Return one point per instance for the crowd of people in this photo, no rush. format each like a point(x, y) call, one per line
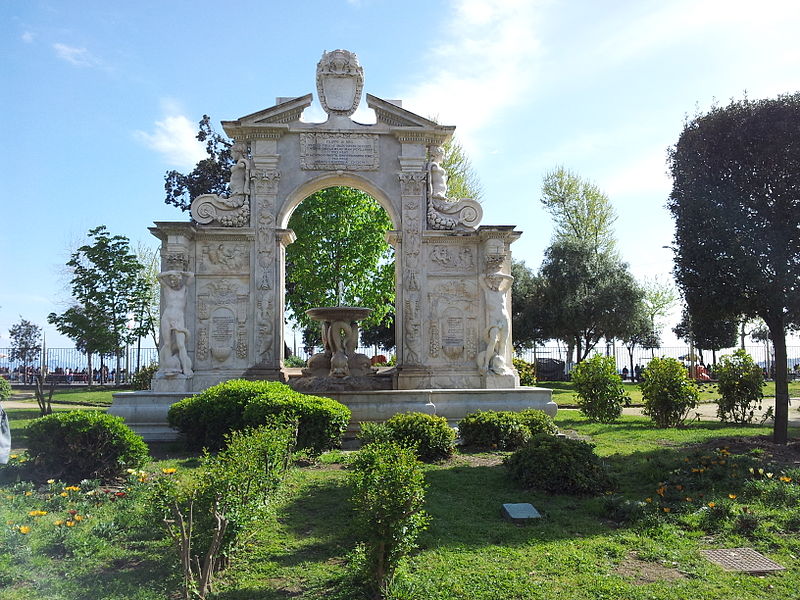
point(28, 375)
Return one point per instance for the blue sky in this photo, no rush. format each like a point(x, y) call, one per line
point(99, 99)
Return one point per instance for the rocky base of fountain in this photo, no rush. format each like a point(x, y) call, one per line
point(322, 385)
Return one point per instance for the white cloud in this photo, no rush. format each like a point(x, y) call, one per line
point(79, 57)
point(174, 137)
point(486, 60)
point(646, 175)
point(27, 37)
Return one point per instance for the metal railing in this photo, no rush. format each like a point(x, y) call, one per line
point(63, 360)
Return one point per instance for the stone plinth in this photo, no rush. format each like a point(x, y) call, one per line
point(146, 413)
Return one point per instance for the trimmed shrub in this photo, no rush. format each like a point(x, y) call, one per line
point(374, 433)
point(741, 383)
point(205, 419)
point(430, 436)
point(560, 466)
point(599, 387)
point(320, 421)
point(667, 391)
point(538, 421)
point(502, 430)
point(388, 494)
point(82, 444)
point(293, 361)
point(143, 378)
point(5, 389)
point(211, 514)
point(526, 370)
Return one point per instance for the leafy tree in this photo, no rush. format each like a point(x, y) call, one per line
point(640, 332)
point(601, 394)
point(580, 209)
point(585, 295)
point(462, 180)
point(382, 334)
point(340, 237)
point(108, 288)
point(740, 386)
point(526, 320)
point(659, 298)
point(210, 175)
point(736, 172)
point(707, 332)
point(26, 342)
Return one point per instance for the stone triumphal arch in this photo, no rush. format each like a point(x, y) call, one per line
point(453, 274)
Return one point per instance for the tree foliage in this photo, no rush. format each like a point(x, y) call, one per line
point(710, 333)
point(584, 295)
point(640, 333)
point(210, 175)
point(526, 320)
point(736, 175)
point(108, 288)
point(580, 209)
point(462, 180)
point(26, 341)
point(340, 237)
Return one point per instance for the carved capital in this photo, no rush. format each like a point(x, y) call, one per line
point(412, 183)
point(458, 215)
point(267, 181)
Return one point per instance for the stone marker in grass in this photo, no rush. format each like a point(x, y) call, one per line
point(520, 513)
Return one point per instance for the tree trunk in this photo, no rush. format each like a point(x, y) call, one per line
point(117, 369)
point(780, 433)
point(89, 377)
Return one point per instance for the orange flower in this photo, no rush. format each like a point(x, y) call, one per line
point(785, 479)
point(648, 499)
point(660, 491)
point(732, 496)
point(667, 509)
point(712, 504)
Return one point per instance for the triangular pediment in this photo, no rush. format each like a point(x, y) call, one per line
point(395, 116)
point(285, 112)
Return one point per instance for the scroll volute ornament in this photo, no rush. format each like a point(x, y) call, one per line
point(340, 79)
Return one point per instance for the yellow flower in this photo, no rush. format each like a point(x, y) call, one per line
point(29, 493)
point(9, 522)
point(648, 499)
point(688, 499)
point(769, 475)
point(51, 481)
point(70, 523)
point(169, 471)
point(59, 522)
point(73, 488)
point(667, 509)
point(24, 529)
point(732, 496)
point(785, 479)
point(130, 471)
point(78, 518)
point(13, 456)
point(37, 513)
point(64, 494)
point(712, 504)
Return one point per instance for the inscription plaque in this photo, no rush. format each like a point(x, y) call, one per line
point(334, 151)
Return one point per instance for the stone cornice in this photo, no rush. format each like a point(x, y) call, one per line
point(163, 229)
point(225, 233)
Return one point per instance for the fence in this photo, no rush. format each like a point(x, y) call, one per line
point(62, 359)
point(761, 354)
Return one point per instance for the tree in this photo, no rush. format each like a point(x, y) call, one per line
point(736, 175)
point(462, 180)
point(585, 295)
point(109, 289)
point(210, 175)
point(340, 238)
point(580, 209)
point(640, 332)
point(25, 343)
point(659, 298)
point(707, 332)
point(526, 317)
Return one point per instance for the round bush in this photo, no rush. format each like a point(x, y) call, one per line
point(503, 430)
point(320, 421)
point(599, 387)
point(143, 378)
point(430, 436)
point(526, 370)
point(5, 389)
point(741, 383)
point(205, 419)
point(538, 421)
point(82, 444)
point(560, 466)
point(667, 391)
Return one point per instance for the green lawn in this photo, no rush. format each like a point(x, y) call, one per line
point(564, 391)
point(576, 551)
point(79, 396)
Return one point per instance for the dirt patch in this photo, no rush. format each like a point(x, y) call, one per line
point(478, 460)
point(642, 571)
point(782, 454)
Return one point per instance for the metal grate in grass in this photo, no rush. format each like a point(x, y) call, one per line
point(742, 559)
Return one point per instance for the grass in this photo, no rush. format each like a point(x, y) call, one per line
point(575, 552)
point(78, 396)
point(564, 391)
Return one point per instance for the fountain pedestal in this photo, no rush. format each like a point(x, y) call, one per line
point(339, 358)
